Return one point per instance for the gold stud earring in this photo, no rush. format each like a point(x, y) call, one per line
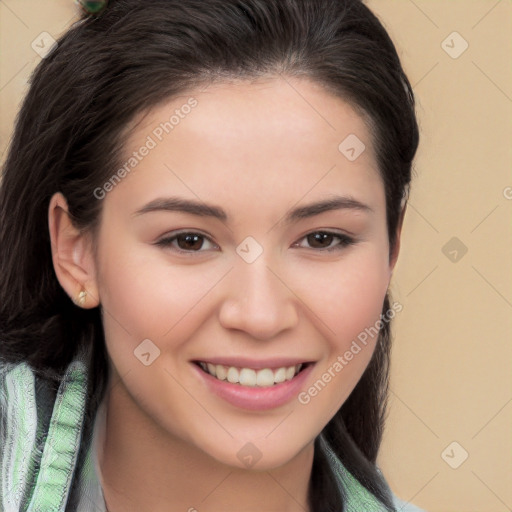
point(82, 297)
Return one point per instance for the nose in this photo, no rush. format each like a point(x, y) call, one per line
point(258, 301)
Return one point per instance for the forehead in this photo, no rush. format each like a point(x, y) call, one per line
point(286, 107)
point(267, 137)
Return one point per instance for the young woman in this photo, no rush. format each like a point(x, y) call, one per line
point(201, 211)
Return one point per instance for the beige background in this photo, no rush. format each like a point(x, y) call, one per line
point(451, 374)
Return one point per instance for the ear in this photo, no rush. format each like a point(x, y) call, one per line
point(72, 255)
point(396, 248)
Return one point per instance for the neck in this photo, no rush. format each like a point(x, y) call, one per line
point(144, 467)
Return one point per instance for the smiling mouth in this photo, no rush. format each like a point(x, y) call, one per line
point(249, 377)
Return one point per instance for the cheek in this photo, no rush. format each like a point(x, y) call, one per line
point(349, 305)
point(348, 295)
point(361, 296)
point(145, 296)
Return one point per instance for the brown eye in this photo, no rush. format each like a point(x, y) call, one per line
point(189, 242)
point(323, 240)
point(186, 242)
point(320, 240)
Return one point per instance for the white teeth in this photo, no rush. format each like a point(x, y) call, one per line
point(290, 372)
point(280, 375)
point(233, 375)
point(249, 377)
point(220, 372)
point(265, 377)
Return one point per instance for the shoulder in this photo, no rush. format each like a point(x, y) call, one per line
point(17, 389)
point(358, 497)
point(405, 506)
point(18, 430)
point(40, 433)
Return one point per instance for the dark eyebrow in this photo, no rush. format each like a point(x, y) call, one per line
point(178, 204)
point(202, 209)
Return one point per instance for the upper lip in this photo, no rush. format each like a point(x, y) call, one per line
point(257, 364)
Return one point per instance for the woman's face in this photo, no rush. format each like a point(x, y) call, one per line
point(218, 248)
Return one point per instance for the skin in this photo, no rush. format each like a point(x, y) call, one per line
point(257, 150)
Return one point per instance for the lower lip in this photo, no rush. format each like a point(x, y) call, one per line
point(256, 398)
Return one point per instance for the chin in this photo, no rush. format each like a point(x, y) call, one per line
point(258, 455)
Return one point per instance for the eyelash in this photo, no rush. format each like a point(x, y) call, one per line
point(345, 241)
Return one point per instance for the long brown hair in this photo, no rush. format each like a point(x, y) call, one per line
point(69, 136)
